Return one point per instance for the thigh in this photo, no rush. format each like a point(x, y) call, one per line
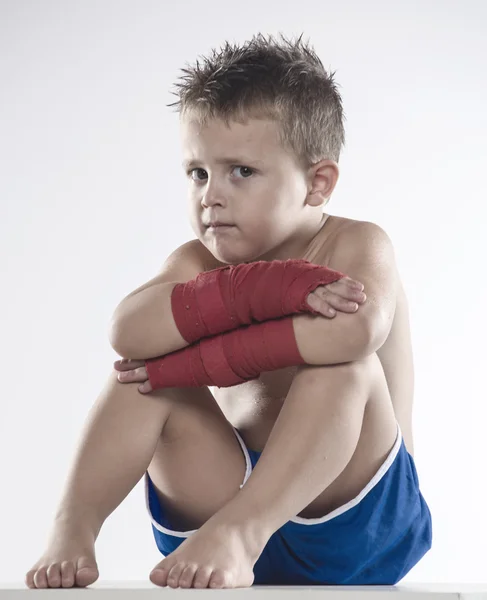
point(198, 464)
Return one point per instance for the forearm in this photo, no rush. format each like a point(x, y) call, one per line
point(323, 341)
point(167, 317)
point(143, 326)
point(243, 354)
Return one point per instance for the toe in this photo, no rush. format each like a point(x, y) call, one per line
point(86, 576)
point(160, 572)
point(187, 575)
point(53, 574)
point(174, 574)
point(29, 579)
point(86, 572)
point(202, 577)
point(67, 574)
point(159, 576)
point(40, 579)
point(218, 579)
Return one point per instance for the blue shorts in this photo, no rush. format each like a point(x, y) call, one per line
point(375, 539)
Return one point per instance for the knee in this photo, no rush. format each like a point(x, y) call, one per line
point(188, 400)
point(363, 370)
point(365, 367)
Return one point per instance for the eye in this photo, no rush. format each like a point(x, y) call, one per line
point(198, 171)
point(245, 171)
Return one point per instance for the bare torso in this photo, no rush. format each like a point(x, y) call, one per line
point(254, 406)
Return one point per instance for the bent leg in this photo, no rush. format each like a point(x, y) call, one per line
point(311, 444)
point(117, 444)
point(198, 465)
point(376, 435)
point(314, 438)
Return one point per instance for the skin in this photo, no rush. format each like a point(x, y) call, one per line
point(276, 206)
point(274, 202)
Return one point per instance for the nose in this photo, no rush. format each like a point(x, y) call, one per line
point(213, 196)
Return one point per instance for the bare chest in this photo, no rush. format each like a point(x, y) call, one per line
point(253, 407)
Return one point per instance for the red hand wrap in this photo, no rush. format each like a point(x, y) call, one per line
point(235, 295)
point(228, 359)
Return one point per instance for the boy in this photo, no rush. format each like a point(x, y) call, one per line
point(299, 468)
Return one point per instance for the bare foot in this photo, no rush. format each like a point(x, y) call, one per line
point(216, 557)
point(69, 560)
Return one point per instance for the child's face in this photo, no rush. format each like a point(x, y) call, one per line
point(242, 175)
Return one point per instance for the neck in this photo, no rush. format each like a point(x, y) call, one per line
point(300, 244)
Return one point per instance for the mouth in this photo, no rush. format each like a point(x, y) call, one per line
point(221, 228)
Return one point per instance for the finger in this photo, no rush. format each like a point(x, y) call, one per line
point(350, 293)
point(353, 283)
point(341, 304)
point(139, 374)
point(317, 303)
point(145, 388)
point(342, 290)
point(128, 366)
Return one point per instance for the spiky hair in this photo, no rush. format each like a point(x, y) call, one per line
point(265, 78)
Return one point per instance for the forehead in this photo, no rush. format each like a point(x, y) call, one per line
point(254, 137)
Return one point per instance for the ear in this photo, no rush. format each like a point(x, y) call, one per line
point(322, 178)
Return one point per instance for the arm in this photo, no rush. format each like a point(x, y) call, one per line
point(152, 331)
point(365, 253)
point(218, 301)
point(148, 329)
point(142, 325)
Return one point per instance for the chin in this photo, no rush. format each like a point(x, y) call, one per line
point(229, 256)
point(230, 252)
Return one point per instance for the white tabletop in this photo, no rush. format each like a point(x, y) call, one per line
point(145, 590)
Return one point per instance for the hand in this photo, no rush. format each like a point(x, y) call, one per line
point(131, 371)
point(345, 295)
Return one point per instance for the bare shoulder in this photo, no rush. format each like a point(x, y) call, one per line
point(343, 237)
point(351, 238)
point(364, 251)
point(189, 259)
point(183, 264)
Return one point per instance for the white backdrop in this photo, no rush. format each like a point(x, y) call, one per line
point(93, 199)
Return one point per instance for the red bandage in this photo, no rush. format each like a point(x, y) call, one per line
point(228, 359)
point(236, 295)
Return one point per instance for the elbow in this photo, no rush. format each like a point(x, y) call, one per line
point(362, 342)
point(375, 332)
point(118, 339)
point(140, 338)
point(322, 341)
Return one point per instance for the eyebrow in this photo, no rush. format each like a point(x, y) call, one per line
point(224, 161)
